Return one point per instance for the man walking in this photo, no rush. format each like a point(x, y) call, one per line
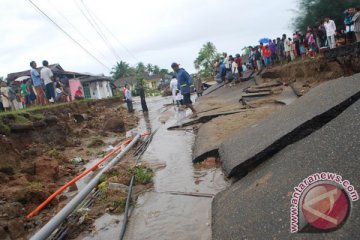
point(128, 98)
point(330, 28)
point(35, 76)
point(173, 88)
point(184, 83)
point(356, 20)
point(47, 76)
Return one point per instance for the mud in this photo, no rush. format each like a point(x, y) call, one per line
point(35, 161)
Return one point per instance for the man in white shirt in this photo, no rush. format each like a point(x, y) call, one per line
point(47, 75)
point(330, 28)
point(173, 88)
point(235, 71)
point(287, 47)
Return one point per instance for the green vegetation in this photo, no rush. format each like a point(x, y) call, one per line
point(119, 205)
point(204, 62)
point(19, 118)
point(123, 69)
point(312, 12)
point(103, 178)
point(4, 129)
point(142, 174)
point(36, 184)
point(54, 153)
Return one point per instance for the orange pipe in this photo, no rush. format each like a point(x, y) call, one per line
point(66, 185)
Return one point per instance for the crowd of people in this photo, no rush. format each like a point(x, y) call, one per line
point(40, 89)
point(285, 49)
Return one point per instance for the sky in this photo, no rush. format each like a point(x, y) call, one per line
point(158, 31)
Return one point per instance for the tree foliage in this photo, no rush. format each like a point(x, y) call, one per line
point(123, 69)
point(204, 61)
point(312, 12)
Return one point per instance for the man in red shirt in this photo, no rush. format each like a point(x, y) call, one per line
point(238, 61)
point(267, 55)
point(79, 94)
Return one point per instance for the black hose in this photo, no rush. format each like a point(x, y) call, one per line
point(126, 214)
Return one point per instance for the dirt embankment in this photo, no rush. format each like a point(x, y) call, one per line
point(41, 149)
point(303, 75)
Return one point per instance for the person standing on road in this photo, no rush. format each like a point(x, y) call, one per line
point(47, 76)
point(330, 28)
point(173, 88)
point(184, 84)
point(128, 98)
point(198, 86)
point(36, 80)
point(142, 97)
point(356, 20)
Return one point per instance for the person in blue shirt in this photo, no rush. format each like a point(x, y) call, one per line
point(184, 84)
point(38, 84)
point(129, 99)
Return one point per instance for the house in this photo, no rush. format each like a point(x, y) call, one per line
point(121, 82)
point(94, 87)
point(57, 70)
point(151, 81)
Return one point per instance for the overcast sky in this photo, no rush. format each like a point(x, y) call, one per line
point(157, 31)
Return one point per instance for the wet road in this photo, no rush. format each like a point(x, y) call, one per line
point(160, 214)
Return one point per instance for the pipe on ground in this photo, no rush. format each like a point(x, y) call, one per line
point(49, 227)
point(126, 214)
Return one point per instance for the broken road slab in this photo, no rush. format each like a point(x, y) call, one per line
point(251, 146)
point(258, 205)
point(213, 88)
point(204, 118)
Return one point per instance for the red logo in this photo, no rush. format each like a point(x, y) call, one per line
point(325, 206)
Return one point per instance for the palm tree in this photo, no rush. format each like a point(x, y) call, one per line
point(140, 69)
point(149, 69)
point(156, 69)
point(120, 70)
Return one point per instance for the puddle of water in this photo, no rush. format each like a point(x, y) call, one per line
point(106, 227)
point(158, 214)
point(164, 216)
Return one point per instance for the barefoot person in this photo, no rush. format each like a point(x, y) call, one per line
point(184, 83)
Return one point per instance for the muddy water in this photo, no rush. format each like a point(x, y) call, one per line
point(179, 206)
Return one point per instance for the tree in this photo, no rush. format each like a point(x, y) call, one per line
point(140, 69)
point(149, 69)
point(163, 72)
point(312, 12)
point(120, 70)
point(156, 69)
point(204, 62)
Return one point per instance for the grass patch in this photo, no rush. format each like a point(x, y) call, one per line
point(119, 205)
point(142, 174)
point(4, 129)
point(103, 178)
point(37, 116)
point(54, 153)
point(21, 119)
point(36, 184)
